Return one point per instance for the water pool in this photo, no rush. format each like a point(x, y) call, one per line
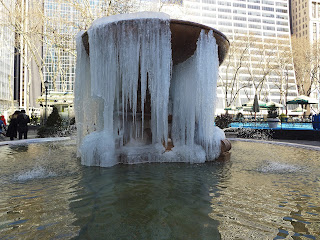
point(264, 125)
point(265, 192)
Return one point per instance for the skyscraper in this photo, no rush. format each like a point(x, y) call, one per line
point(305, 22)
point(260, 59)
point(6, 59)
point(63, 20)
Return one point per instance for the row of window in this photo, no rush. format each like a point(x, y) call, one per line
point(255, 26)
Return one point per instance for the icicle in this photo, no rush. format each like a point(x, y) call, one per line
point(193, 92)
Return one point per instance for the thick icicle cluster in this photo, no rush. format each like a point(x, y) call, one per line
point(193, 91)
point(130, 61)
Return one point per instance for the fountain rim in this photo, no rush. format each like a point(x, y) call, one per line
point(199, 25)
point(222, 41)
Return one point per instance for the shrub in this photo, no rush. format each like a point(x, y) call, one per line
point(239, 117)
point(52, 126)
point(223, 120)
point(283, 117)
point(73, 121)
point(54, 119)
point(45, 131)
point(272, 112)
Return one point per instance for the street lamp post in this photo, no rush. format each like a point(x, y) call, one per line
point(46, 84)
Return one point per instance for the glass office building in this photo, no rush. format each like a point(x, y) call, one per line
point(6, 60)
point(64, 19)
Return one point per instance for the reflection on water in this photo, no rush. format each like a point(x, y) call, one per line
point(264, 192)
point(273, 193)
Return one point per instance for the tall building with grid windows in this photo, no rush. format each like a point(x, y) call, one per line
point(260, 30)
point(59, 45)
point(6, 60)
point(64, 19)
point(305, 15)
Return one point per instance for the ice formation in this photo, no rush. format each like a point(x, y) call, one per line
point(126, 89)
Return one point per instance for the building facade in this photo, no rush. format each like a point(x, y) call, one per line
point(305, 22)
point(260, 58)
point(63, 20)
point(6, 59)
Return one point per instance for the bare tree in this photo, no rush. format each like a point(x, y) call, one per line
point(233, 66)
point(282, 69)
point(260, 66)
point(306, 64)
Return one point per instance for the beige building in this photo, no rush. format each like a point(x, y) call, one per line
point(305, 23)
point(261, 30)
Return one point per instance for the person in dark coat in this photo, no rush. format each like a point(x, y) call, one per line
point(13, 126)
point(23, 120)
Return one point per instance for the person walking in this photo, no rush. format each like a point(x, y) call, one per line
point(23, 120)
point(13, 126)
point(2, 127)
point(3, 119)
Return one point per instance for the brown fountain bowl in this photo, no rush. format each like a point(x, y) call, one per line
point(184, 37)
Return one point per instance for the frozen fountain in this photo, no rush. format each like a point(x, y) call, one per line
point(145, 91)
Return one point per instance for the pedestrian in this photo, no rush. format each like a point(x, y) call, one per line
point(3, 119)
point(2, 128)
point(23, 120)
point(13, 125)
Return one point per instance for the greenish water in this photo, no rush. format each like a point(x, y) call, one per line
point(263, 192)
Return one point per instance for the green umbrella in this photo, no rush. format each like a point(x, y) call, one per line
point(232, 108)
point(255, 106)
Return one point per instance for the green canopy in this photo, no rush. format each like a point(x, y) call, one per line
point(302, 100)
point(262, 104)
point(274, 104)
point(232, 108)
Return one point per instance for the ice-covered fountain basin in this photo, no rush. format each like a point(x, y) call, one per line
point(184, 37)
point(134, 95)
point(265, 192)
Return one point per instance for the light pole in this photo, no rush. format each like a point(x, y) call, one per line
point(46, 84)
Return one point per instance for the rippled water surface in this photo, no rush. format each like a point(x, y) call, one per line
point(263, 192)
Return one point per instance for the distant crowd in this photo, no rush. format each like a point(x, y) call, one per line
point(18, 125)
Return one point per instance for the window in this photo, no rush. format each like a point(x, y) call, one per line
point(254, 7)
point(282, 10)
point(240, 18)
point(314, 13)
point(254, 20)
point(239, 5)
point(224, 3)
point(267, 21)
point(224, 10)
point(268, 9)
point(269, 28)
point(243, 25)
